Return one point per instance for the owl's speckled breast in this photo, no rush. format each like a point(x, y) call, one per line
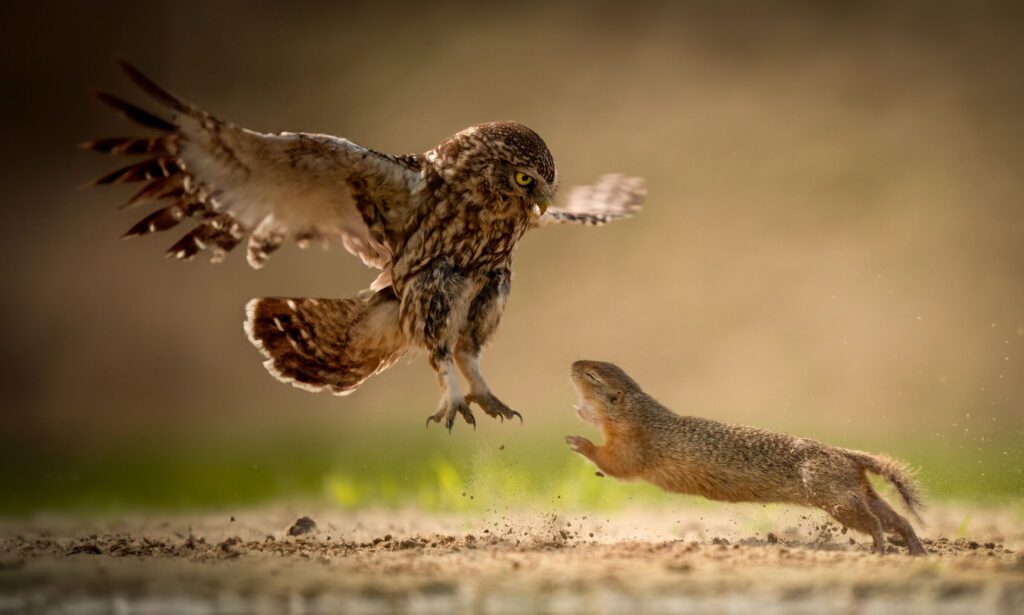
point(462, 223)
point(476, 241)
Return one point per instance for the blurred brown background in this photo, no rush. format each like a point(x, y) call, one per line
point(833, 242)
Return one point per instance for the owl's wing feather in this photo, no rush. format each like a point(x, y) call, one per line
point(269, 187)
point(612, 197)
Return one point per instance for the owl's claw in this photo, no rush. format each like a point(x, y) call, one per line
point(493, 406)
point(469, 419)
point(447, 411)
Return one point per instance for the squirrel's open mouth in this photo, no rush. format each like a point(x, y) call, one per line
point(584, 413)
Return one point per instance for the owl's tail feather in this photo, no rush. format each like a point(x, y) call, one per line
point(326, 344)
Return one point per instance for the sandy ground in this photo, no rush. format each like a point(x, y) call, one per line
point(708, 559)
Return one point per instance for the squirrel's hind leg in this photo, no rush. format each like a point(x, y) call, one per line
point(894, 523)
point(855, 514)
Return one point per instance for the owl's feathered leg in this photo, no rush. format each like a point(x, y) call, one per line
point(481, 322)
point(432, 314)
point(452, 400)
point(480, 394)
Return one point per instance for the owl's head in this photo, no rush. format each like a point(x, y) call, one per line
point(500, 161)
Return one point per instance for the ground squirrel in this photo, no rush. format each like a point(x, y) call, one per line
point(685, 454)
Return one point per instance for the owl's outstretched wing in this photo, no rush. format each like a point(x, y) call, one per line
point(613, 197)
point(269, 187)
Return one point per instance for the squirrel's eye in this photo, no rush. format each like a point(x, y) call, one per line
point(523, 179)
point(593, 377)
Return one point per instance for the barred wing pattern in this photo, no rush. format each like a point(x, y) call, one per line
point(613, 197)
point(269, 187)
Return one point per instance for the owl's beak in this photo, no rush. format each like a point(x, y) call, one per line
point(540, 207)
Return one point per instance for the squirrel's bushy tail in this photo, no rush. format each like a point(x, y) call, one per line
point(333, 344)
point(897, 473)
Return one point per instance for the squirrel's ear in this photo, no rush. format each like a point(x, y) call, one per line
point(616, 396)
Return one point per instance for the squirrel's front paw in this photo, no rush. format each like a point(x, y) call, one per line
point(579, 444)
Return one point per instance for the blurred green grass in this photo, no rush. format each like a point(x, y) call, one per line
point(464, 472)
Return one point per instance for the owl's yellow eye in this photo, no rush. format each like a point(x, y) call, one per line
point(523, 179)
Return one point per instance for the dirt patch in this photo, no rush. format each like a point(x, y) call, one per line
point(706, 558)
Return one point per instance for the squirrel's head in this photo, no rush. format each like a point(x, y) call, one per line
point(604, 390)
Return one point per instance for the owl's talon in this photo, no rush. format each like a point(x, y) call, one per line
point(493, 406)
point(447, 413)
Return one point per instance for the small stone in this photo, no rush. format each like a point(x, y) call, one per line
point(772, 538)
point(302, 526)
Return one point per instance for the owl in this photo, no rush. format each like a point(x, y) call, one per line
point(441, 227)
